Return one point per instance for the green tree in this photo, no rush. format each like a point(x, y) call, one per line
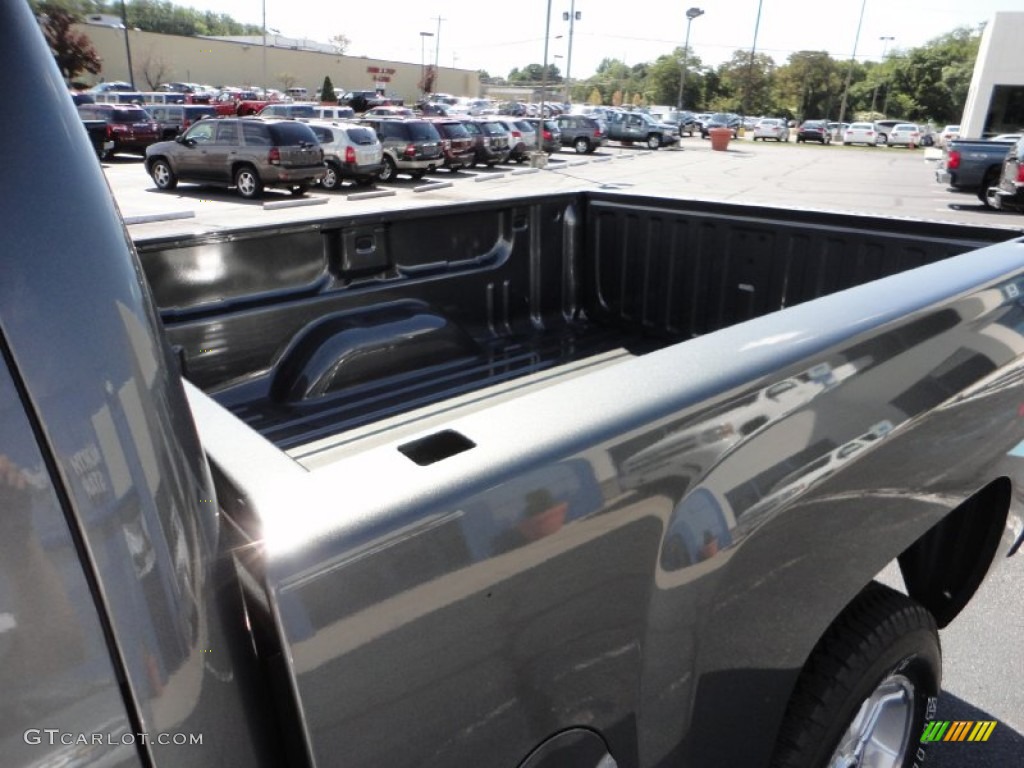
point(746, 83)
point(932, 81)
point(534, 73)
point(805, 86)
point(327, 95)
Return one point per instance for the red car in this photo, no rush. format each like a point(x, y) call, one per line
point(458, 145)
point(130, 127)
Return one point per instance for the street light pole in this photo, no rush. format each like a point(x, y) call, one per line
point(874, 94)
point(568, 62)
point(544, 79)
point(423, 61)
point(750, 66)
point(691, 14)
point(127, 45)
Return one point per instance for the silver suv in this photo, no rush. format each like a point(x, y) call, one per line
point(351, 151)
point(248, 153)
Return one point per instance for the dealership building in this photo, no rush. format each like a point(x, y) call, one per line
point(273, 61)
point(995, 101)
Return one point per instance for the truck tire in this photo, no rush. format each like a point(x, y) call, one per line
point(388, 171)
point(248, 182)
point(332, 177)
point(990, 179)
point(868, 688)
point(162, 174)
point(654, 141)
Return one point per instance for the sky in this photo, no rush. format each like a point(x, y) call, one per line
point(472, 36)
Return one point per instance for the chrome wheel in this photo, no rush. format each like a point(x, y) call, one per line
point(581, 145)
point(331, 179)
point(880, 734)
point(163, 176)
point(248, 183)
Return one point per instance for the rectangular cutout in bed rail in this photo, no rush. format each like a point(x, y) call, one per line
point(436, 447)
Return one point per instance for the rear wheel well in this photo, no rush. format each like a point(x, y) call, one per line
point(944, 568)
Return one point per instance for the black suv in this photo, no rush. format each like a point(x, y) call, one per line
point(410, 145)
point(584, 134)
point(360, 101)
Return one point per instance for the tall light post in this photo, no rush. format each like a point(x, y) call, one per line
point(691, 14)
point(423, 61)
point(127, 45)
point(572, 17)
point(750, 65)
point(874, 94)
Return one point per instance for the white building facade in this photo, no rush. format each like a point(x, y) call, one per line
point(995, 101)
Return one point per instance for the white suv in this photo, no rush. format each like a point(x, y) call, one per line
point(351, 151)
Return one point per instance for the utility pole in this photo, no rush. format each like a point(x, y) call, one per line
point(437, 42)
point(750, 66)
point(874, 94)
point(853, 58)
point(127, 45)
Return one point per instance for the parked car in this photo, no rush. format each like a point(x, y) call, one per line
point(361, 101)
point(1008, 194)
point(584, 134)
point(112, 85)
point(411, 146)
point(350, 152)
point(389, 110)
point(248, 154)
point(458, 146)
point(814, 130)
point(286, 109)
point(721, 120)
point(550, 135)
point(884, 127)
point(948, 133)
point(861, 133)
point(771, 128)
point(905, 135)
point(490, 141)
point(176, 118)
point(129, 126)
point(837, 130)
point(529, 132)
point(516, 140)
point(333, 112)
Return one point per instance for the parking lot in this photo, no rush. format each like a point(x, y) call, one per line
point(879, 181)
point(984, 678)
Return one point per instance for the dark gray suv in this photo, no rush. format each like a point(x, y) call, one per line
point(410, 145)
point(248, 153)
point(584, 134)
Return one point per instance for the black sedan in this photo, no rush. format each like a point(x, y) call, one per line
point(814, 130)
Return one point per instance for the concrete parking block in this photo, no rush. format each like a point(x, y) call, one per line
point(302, 201)
point(372, 193)
point(432, 186)
point(150, 217)
point(488, 176)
